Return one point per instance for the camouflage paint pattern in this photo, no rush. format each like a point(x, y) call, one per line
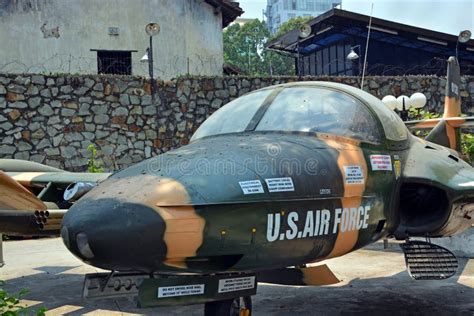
point(213, 206)
point(203, 222)
point(191, 209)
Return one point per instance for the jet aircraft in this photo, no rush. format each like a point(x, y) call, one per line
point(279, 178)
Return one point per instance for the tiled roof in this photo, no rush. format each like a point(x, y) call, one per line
point(231, 10)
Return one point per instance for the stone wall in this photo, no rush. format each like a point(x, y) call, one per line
point(52, 119)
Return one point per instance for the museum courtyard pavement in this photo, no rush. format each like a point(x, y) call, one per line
point(374, 280)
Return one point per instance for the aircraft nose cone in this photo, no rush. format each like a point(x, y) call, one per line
point(114, 235)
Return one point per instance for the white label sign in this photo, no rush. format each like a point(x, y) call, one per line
point(381, 162)
point(237, 284)
point(354, 175)
point(251, 187)
point(182, 290)
point(454, 88)
point(280, 185)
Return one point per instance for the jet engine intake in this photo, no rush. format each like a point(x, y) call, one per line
point(424, 210)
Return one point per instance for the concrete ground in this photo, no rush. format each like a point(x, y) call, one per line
point(374, 281)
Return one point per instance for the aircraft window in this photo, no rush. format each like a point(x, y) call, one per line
point(392, 124)
point(234, 116)
point(308, 109)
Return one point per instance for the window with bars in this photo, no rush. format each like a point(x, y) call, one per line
point(114, 62)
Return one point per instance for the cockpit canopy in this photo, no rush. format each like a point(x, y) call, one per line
point(312, 107)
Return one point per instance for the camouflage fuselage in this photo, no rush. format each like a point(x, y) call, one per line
point(187, 210)
point(255, 200)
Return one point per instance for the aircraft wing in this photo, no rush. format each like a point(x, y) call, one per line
point(32, 174)
point(62, 179)
point(458, 122)
point(32, 196)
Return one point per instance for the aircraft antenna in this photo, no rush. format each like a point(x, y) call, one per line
point(367, 47)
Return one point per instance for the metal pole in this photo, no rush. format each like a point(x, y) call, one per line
point(360, 64)
point(150, 66)
point(298, 61)
point(404, 112)
point(1, 251)
point(457, 45)
point(367, 47)
point(248, 53)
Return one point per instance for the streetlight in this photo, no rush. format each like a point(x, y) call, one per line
point(464, 37)
point(305, 31)
point(354, 56)
point(145, 57)
point(152, 29)
point(403, 103)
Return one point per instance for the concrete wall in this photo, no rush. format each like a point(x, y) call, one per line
point(52, 119)
point(191, 34)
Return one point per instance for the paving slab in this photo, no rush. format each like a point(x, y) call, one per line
point(374, 280)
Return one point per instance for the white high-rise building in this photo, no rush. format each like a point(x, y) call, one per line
point(280, 11)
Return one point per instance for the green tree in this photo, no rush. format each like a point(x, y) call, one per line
point(283, 64)
point(244, 47)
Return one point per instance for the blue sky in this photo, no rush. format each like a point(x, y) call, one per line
point(449, 16)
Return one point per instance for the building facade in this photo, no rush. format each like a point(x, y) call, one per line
point(394, 48)
point(108, 36)
point(280, 11)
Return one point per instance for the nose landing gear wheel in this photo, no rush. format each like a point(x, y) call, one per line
point(240, 306)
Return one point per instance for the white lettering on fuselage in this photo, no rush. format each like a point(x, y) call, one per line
point(316, 223)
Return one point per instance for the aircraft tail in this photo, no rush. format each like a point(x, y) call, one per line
point(446, 131)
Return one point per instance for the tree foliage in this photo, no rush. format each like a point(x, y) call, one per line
point(10, 304)
point(244, 48)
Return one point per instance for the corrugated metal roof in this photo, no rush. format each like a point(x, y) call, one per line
point(347, 23)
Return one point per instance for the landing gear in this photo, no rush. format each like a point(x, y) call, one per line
point(241, 306)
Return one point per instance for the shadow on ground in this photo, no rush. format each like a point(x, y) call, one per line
point(60, 291)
